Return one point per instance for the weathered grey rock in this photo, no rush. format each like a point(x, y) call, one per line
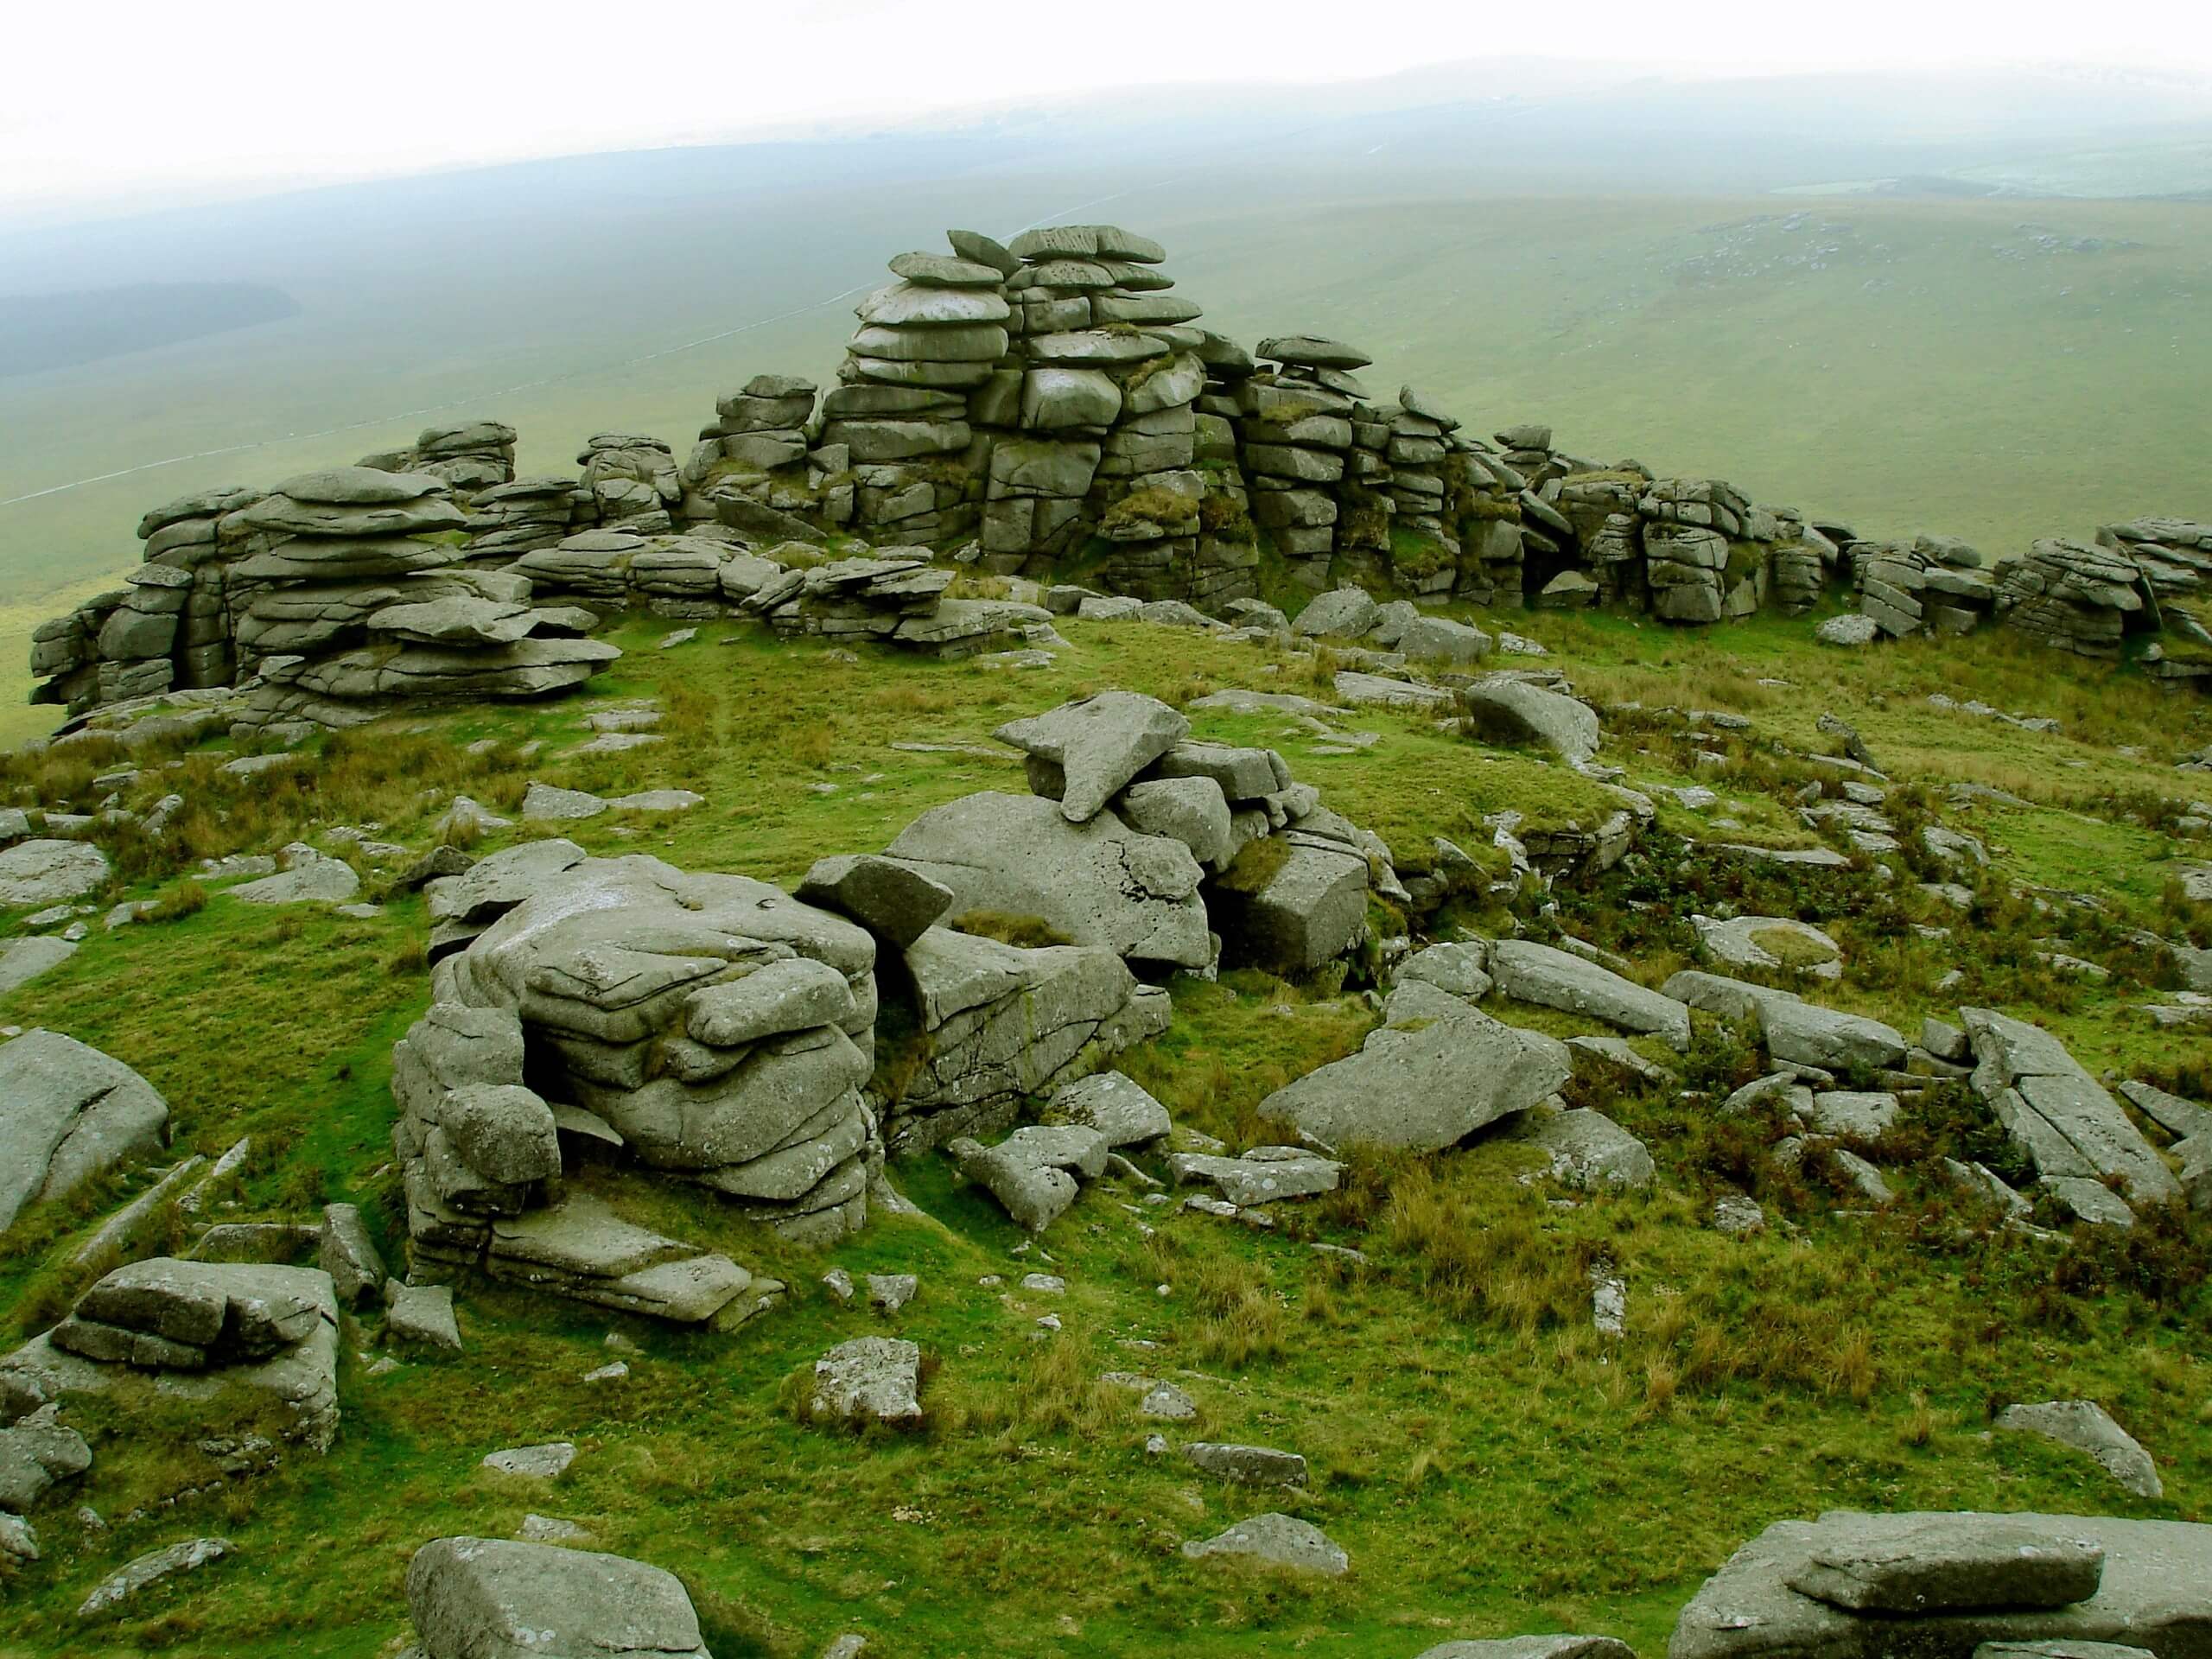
point(869, 1379)
point(1589, 1150)
point(486, 1598)
point(1424, 1089)
point(308, 877)
point(1291, 903)
point(1748, 1611)
point(1340, 614)
point(1248, 1465)
point(503, 1131)
point(1097, 744)
point(1122, 1113)
point(1552, 978)
point(544, 803)
point(34, 1454)
point(2057, 1112)
point(2084, 1425)
point(1534, 1646)
point(1192, 811)
point(115, 1591)
point(1276, 1540)
point(1851, 629)
point(1807, 1035)
point(549, 1460)
point(1857, 1115)
point(2184, 1119)
point(1775, 943)
point(1263, 1175)
point(1458, 969)
point(349, 1255)
point(24, 960)
point(1095, 883)
point(892, 901)
point(418, 1319)
point(1034, 1172)
point(68, 1114)
point(46, 871)
point(1509, 710)
point(1953, 1563)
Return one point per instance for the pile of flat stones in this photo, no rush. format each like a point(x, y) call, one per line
point(2076, 596)
point(628, 480)
point(334, 598)
point(241, 1340)
point(468, 457)
point(1933, 584)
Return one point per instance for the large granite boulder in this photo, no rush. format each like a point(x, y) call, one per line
point(1552, 978)
point(1095, 883)
point(68, 1114)
point(497, 1599)
point(1426, 1083)
point(997, 1024)
point(2058, 1114)
point(1505, 709)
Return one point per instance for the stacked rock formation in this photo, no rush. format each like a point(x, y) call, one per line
point(2175, 555)
point(1934, 584)
point(757, 451)
point(468, 458)
point(237, 1337)
point(708, 1027)
point(627, 480)
point(338, 596)
point(1139, 840)
point(2077, 597)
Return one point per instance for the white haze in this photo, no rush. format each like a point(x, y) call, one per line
point(140, 103)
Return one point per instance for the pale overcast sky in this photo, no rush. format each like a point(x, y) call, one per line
point(130, 96)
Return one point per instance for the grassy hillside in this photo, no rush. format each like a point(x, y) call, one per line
point(1492, 1464)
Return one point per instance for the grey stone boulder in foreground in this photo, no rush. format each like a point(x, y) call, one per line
point(68, 1114)
point(1425, 1085)
point(1509, 710)
point(46, 871)
point(2151, 1595)
point(495, 1598)
point(2085, 1425)
point(1278, 1540)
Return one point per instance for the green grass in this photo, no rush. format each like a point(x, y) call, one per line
point(1492, 1466)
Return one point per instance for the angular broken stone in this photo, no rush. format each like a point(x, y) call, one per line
point(2085, 1425)
point(1942, 1564)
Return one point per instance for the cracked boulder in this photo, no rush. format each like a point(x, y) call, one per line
point(996, 1024)
point(68, 1114)
point(2058, 1114)
point(1096, 882)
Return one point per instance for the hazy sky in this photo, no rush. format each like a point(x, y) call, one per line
point(130, 96)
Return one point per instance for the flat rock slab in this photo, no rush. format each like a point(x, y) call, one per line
point(1278, 1540)
point(24, 960)
point(549, 1461)
point(1534, 1647)
point(2150, 1595)
point(46, 871)
point(1936, 1564)
point(2057, 1112)
point(893, 901)
point(419, 1319)
point(151, 1569)
point(1250, 1466)
point(486, 1598)
point(1553, 978)
point(1122, 1112)
point(1262, 1175)
point(1587, 1149)
point(2084, 1425)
